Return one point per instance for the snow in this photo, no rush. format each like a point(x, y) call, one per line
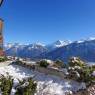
point(35, 46)
point(46, 84)
point(77, 67)
point(61, 43)
point(90, 38)
point(81, 41)
point(93, 73)
point(39, 43)
point(47, 60)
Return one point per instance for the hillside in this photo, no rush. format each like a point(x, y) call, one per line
point(85, 49)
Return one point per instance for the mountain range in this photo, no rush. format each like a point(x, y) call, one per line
point(63, 50)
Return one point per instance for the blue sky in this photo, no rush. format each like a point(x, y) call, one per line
point(28, 21)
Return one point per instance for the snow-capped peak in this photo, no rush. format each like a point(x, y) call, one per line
point(36, 45)
point(90, 38)
point(58, 44)
point(9, 45)
point(80, 41)
point(61, 43)
point(84, 40)
point(39, 44)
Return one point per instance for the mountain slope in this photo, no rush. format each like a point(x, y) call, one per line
point(32, 50)
point(63, 50)
point(57, 44)
point(29, 51)
point(82, 49)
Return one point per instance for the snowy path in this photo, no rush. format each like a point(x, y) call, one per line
point(47, 85)
point(5, 63)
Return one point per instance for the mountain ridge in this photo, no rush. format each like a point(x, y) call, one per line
point(58, 50)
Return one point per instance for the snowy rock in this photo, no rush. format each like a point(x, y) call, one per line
point(93, 73)
point(77, 67)
point(13, 91)
point(15, 82)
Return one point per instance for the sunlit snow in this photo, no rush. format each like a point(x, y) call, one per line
point(46, 84)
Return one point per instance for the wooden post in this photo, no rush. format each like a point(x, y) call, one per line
point(1, 38)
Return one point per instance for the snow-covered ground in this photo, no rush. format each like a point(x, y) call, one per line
point(5, 63)
point(46, 84)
